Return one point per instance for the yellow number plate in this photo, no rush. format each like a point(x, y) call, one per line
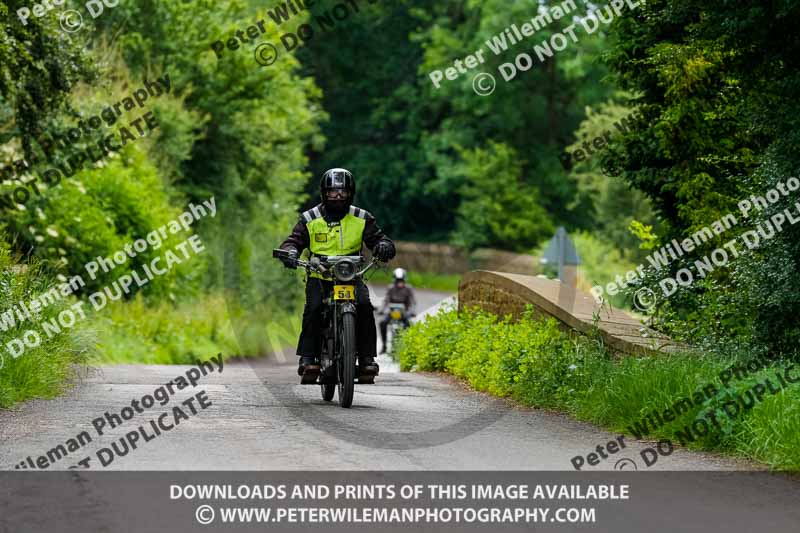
point(344, 292)
point(397, 315)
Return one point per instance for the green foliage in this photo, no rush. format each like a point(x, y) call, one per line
point(250, 148)
point(45, 370)
point(39, 66)
point(538, 364)
point(718, 85)
point(247, 145)
point(405, 139)
point(772, 432)
point(535, 363)
point(644, 234)
point(497, 209)
point(96, 213)
point(430, 343)
point(229, 129)
point(420, 280)
point(164, 333)
point(601, 263)
point(614, 205)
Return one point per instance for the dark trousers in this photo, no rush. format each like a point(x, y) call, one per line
point(310, 343)
point(384, 324)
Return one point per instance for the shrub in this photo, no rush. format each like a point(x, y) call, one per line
point(96, 213)
point(538, 364)
point(494, 195)
point(533, 362)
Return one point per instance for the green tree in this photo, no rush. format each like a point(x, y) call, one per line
point(249, 146)
point(719, 90)
point(497, 209)
point(39, 67)
point(402, 135)
point(613, 203)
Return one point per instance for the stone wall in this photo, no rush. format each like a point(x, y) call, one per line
point(446, 259)
point(503, 294)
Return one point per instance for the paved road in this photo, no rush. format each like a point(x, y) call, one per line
point(260, 419)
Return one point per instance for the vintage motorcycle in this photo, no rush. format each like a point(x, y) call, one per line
point(398, 318)
point(338, 361)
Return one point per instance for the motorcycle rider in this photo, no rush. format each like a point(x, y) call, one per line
point(336, 227)
point(401, 293)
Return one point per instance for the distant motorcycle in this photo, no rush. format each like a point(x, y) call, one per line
point(398, 321)
point(338, 362)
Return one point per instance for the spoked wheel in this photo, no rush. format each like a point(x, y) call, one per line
point(327, 391)
point(347, 361)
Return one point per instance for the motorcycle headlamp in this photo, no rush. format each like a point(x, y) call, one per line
point(345, 270)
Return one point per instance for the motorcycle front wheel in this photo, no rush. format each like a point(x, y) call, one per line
point(347, 360)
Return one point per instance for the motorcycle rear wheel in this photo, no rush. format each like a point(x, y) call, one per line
point(347, 361)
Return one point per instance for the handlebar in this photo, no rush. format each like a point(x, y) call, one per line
point(325, 265)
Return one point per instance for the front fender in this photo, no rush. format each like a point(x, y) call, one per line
point(347, 307)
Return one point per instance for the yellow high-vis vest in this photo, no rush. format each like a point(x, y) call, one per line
point(337, 238)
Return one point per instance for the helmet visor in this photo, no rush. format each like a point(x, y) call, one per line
point(337, 194)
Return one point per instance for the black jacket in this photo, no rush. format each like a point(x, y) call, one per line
point(300, 239)
point(401, 295)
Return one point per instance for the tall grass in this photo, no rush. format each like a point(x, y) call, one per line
point(163, 333)
point(46, 370)
point(142, 332)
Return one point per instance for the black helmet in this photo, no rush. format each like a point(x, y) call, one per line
point(337, 179)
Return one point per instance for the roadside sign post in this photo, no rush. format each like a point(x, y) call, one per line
point(562, 252)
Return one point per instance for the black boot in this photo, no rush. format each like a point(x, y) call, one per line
point(368, 366)
point(308, 365)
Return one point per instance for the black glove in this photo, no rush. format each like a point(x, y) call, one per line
point(290, 261)
point(383, 251)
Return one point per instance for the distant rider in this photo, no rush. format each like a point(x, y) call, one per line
point(336, 227)
point(398, 293)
